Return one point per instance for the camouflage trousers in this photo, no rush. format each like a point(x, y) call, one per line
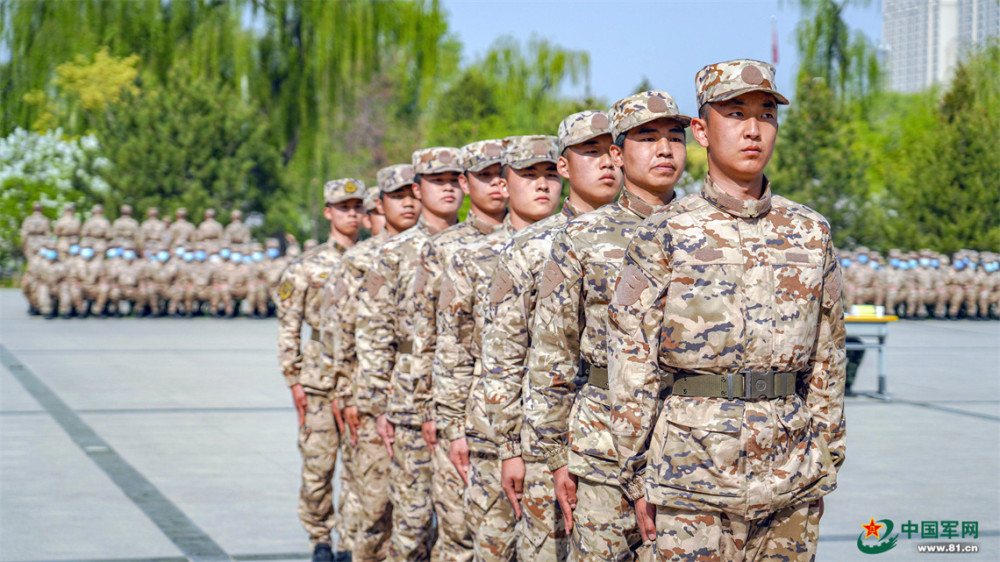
point(318, 443)
point(348, 504)
point(489, 515)
point(371, 480)
point(541, 531)
point(70, 297)
point(454, 543)
point(413, 531)
point(604, 526)
point(789, 534)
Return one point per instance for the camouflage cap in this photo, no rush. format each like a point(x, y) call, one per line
point(583, 126)
point(181, 212)
point(482, 154)
point(726, 80)
point(371, 196)
point(153, 212)
point(395, 177)
point(637, 109)
point(69, 207)
point(126, 209)
point(210, 213)
point(236, 215)
point(437, 160)
point(344, 189)
point(522, 151)
point(37, 206)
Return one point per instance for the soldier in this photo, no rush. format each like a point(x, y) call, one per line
point(989, 290)
point(126, 285)
point(924, 284)
point(239, 283)
point(726, 341)
point(397, 209)
point(90, 281)
point(106, 281)
point(892, 279)
point(181, 233)
point(384, 348)
point(47, 276)
point(181, 285)
point(219, 266)
point(300, 298)
point(568, 360)
point(274, 265)
point(125, 229)
point(532, 183)
point(526, 477)
point(256, 282)
point(481, 181)
point(163, 279)
point(67, 230)
point(153, 230)
point(237, 231)
point(96, 230)
point(71, 284)
point(35, 230)
point(210, 230)
point(200, 285)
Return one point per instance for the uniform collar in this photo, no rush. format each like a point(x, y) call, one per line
point(507, 226)
point(569, 210)
point(422, 225)
point(744, 208)
point(632, 202)
point(336, 246)
point(477, 222)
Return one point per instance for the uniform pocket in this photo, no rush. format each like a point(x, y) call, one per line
point(697, 445)
point(801, 457)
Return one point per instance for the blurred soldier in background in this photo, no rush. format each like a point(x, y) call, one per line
point(96, 230)
point(237, 232)
point(210, 230)
point(35, 229)
point(181, 232)
point(67, 230)
point(71, 285)
point(125, 229)
point(152, 231)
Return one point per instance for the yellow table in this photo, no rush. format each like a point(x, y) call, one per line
point(872, 327)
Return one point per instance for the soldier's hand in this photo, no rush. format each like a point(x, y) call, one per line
point(337, 416)
point(429, 429)
point(299, 397)
point(351, 417)
point(458, 452)
point(565, 494)
point(645, 514)
point(512, 480)
point(386, 431)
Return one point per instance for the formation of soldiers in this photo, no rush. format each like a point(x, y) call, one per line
point(924, 284)
point(156, 268)
point(636, 376)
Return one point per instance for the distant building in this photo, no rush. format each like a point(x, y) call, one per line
point(925, 39)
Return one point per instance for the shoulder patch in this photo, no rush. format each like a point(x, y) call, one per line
point(833, 285)
point(500, 287)
point(447, 293)
point(551, 279)
point(630, 285)
point(286, 289)
point(420, 279)
point(373, 282)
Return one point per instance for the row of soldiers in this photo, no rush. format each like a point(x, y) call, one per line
point(205, 278)
point(925, 283)
point(497, 387)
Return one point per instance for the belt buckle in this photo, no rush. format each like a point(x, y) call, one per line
point(758, 384)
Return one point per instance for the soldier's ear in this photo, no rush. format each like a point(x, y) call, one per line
point(562, 166)
point(328, 213)
point(699, 130)
point(463, 182)
point(617, 157)
point(503, 187)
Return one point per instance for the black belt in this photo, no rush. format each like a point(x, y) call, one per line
point(746, 384)
point(596, 376)
point(406, 346)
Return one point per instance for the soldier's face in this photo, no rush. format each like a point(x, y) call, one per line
point(441, 194)
point(376, 222)
point(401, 208)
point(739, 135)
point(653, 156)
point(533, 191)
point(485, 189)
point(591, 171)
point(345, 217)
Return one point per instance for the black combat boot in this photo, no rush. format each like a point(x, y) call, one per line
point(342, 556)
point(322, 552)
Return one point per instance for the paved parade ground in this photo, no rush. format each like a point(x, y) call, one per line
point(172, 439)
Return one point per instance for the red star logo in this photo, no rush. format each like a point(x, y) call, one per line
point(871, 529)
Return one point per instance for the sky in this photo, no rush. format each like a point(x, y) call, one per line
point(666, 41)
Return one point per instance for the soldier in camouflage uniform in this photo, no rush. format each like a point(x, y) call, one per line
point(67, 230)
point(393, 209)
point(35, 230)
point(567, 366)
point(95, 230)
point(237, 232)
point(210, 230)
point(526, 478)
point(299, 300)
point(70, 286)
point(126, 285)
point(125, 229)
point(91, 276)
point(384, 349)
point(152, 230)
point(181, 232)
point(47, 273)
point(531, 182)
point(274, 265)
point(481, 181)
point(726, 348)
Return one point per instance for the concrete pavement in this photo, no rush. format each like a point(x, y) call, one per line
point(169, 439)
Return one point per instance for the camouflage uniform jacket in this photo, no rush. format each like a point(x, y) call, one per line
point(236, 232)
point(124, 229)
point(95, 228)
point(508, 332)
point(570, 326)
point(459, 392)
point(427, 287)
point(181, 233)
point(152, 230)
point(35, 228)
point(210, 229)
point(385, 328)
point(67, 227)
point(299, 297)
point(340, 312)
point(716, 286)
